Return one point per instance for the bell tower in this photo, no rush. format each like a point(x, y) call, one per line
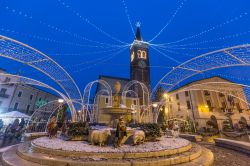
point(139, 61)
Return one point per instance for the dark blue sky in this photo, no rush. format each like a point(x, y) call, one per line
point(32, 22)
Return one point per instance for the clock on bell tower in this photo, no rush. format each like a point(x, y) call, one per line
point(139, 61)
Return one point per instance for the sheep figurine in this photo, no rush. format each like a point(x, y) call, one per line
point(138, 137)
point(99, 136)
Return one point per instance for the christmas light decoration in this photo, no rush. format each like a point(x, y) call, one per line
point(128, 16)
point(224, 58)
point(17, 51)
point(84, 19)
point(169, 21)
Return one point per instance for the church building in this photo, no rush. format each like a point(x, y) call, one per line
point(139, 71)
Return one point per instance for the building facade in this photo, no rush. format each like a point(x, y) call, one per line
point(26, 98)
point(201, 99)
point(6, 91)
point(21, 97)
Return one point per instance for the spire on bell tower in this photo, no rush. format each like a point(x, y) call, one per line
point(138, 32)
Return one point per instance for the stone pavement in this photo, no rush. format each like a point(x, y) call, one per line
point(227, 157)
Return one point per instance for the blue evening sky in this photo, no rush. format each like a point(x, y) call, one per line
point(58, 28)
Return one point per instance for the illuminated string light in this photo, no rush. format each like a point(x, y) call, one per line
point(53, 27)
point(216, 40)
point(52, 40)
point(89, 22)
point(100, 62)
point(87, 53)
point(162, 53)
point(225, 58)
point(128, 16)
point(209, 29)
point(175, 52)
point(169, 21)
point(91, 61)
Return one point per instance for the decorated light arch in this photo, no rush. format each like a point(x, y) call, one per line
point(91, 108)
point(144, 110)
point(223, 58)
point(20, 52)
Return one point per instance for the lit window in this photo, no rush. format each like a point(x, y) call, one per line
point(132, 56)
point(139, 54)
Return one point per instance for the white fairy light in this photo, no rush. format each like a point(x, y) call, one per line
point(53, 40)
point(209, 29)
point(169, 21)
point(162, 53)
point(55, 28)
point(89, 22)
point(128, 16)
point(100, 62)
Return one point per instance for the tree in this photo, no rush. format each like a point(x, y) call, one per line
point(158, 95)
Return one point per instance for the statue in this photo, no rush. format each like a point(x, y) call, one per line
point(175, 130)
point(52, 127)
point(116, 97)
point(121, 132)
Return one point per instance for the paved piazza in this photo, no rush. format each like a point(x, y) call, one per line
point(227, 157)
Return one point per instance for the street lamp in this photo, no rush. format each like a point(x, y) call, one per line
point(165, 95)
point(155, 105)
point(60, 100)
point(155, 111)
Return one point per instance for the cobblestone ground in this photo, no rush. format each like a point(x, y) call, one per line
point(227, 157)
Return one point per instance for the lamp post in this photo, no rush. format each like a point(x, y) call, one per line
point(155, 105)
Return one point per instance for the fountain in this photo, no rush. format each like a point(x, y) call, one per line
point(117, 109)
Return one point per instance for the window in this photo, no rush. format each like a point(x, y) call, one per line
point(186, 93)
point(179, 106)
point(135, 102)
point(15, 106)
point(3, 91)
point(31, 97)
point(141, 54)
point(177, 96)
point(209, 104)
point(239, 108)
point(40, 99)
point(106, 100)
point(27, 108)
point(19, 93)
point(188, 105)
point(206, 93)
